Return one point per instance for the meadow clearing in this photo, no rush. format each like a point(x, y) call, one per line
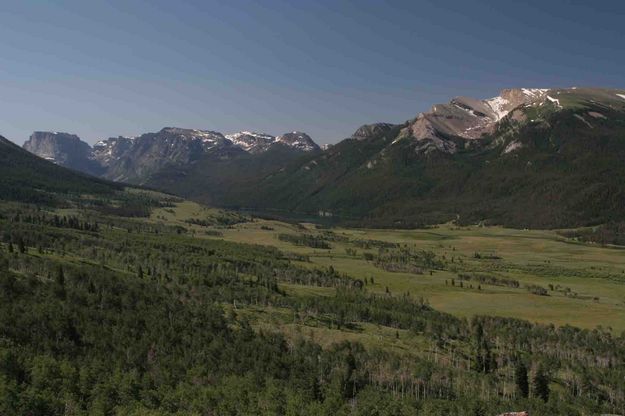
point(584, 283)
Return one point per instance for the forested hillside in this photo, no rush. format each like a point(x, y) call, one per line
point(104, 314)
point(552, 159)
point(25, 177)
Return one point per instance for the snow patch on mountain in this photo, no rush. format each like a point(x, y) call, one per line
point(556, 101)
point(298, 140)
point(534, 92)
point(621, 95)
point(235, 136)
point(497, 104)
point(251, 141)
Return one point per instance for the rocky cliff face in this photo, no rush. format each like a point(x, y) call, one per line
point(56, 147)
point(251, 141)
point(368, 131)
point(298, 141)
point(148, 153)
point(538, 158)
point(466, 119)
point(107, 151)
point(63, 149)
point(135, 159)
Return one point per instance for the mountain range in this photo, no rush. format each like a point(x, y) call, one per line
point(530, 157)
point(135, 159)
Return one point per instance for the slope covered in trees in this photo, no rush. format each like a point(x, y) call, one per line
point(104, 315)
point(551, 163)
point(109, 307)
point(28, 178)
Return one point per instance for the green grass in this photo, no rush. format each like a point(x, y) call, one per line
point(532, 257)
point(535, 257)
point(300, 326)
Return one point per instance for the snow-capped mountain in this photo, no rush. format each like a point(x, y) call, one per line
point(134, 159)
point(298, 140)
point(469, 118)
point(107, 151)
point(529, 157)
point(254, 142)
point(251, 141)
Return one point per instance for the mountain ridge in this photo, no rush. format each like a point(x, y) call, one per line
point(529, 167)
point(530, 157)
point(134, 159)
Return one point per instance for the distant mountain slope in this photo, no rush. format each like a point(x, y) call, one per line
point(224, 176)
point(28, 178)
point(530, 157)
point(63, 149)
point(542, 158)
point(136, 159)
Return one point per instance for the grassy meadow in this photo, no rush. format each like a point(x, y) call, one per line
point(585, 283)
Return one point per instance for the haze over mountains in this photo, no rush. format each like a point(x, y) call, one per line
point(530, 157)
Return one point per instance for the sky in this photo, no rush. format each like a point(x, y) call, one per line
point(107, 68)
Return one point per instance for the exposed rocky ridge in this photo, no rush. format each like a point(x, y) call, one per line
point(63, 149)
point(466, 118)
point(251, 141)
point(56, 147)
point(448, 127)
point(134, 159)
point(297, 140)
point(109, 150)
point(150, 152)
point(371, 130)
point(542, 159)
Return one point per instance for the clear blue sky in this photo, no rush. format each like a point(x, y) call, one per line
point(101, 69)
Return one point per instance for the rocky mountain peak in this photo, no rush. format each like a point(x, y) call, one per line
point(136, 158)
point(177, 133)
point(106, 151)
point(251, 141)
point(298, 140)
point(56, 147)
point(367, 131)
point(466, 118)
point(64, 149)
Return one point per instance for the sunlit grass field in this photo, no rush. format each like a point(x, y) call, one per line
point(589, 280)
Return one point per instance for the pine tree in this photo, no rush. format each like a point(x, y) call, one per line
point(4, 265)
point(520, 378)
point(20, 246)
point(483, 356)
point(59, 280)
point(60, 276)
point(541, 384)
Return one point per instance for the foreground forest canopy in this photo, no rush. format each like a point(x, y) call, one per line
point(141, 303)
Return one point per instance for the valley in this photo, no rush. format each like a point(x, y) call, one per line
point(467, 261)
point(117, 299)
point(313, 208)
point(590, 278)
point(140, 300)
point(528, 158)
